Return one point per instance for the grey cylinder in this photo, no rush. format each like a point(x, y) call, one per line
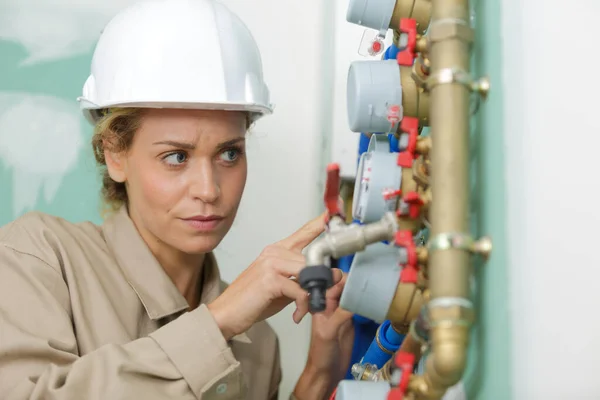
point(373, 87)
point(372, 282)
point(362, 390)
point(375, 14)
point(368, 203)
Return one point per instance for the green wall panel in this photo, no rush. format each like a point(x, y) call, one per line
point(488, 376)
point(46, 162)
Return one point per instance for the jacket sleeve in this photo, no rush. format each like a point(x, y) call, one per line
point(186, 359)
point(276, 375)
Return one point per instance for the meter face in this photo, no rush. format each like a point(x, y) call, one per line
point(362, 185)
point(378, 173)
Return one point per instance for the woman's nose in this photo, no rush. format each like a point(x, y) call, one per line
point(204, 184)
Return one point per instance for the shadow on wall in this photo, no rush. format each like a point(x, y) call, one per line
point(46, 159)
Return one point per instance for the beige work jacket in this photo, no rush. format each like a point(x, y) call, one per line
point(86, 313)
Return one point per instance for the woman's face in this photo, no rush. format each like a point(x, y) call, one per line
point(185, 174)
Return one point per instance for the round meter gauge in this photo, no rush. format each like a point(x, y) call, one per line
point(378, 172)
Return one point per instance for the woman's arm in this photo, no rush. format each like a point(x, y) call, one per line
point(39, 359)
point(332, 339)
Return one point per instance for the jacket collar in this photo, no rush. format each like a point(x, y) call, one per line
point(154, 288)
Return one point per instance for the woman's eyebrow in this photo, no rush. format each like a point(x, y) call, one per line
point(231, 142)
point(183, 145)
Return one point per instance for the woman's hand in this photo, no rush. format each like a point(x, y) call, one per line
point(332, 340)
point(265, 287)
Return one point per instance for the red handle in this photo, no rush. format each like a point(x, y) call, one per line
point(409, 125)
point(404, 362)
point(407, 56)
point(410, 270)
point(332, 190)
point(414, 202)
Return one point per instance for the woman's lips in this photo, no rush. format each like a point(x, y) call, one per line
point(203, 223)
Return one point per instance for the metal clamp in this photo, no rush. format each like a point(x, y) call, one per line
point(460, 241)
point(456, 75)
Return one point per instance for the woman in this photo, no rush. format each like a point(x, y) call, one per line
point(135, 308)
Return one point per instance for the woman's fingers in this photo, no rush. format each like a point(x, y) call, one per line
point(305, 235)
point(293, 291)
point(288, 267)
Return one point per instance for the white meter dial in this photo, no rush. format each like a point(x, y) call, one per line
point(378, 172)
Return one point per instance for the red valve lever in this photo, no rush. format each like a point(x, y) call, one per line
point(407, 56)
point(332, 190)
point(405, 362)
point(414, 202)
point(410, 269)
point(409, 125)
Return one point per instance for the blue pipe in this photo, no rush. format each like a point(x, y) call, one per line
point(385, 343)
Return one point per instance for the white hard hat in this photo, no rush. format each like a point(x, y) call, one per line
point(176, 54)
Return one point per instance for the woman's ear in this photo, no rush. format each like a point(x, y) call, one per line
point(115, 164)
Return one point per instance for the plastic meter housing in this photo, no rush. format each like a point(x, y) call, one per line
point(375, 14)
point(362, 390)
point(372, 282)
point(374, 89)
point(378, 171)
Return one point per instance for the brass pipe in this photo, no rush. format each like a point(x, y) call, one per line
point(449, 270)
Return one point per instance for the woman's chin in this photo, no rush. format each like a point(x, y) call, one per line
point(198, 245)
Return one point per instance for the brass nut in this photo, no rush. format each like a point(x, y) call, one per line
point(416, 77)
point(482, 86)
point(444, 30)
point(483, 247)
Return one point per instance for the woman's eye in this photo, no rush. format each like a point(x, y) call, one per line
point(175, 158)
point(229, 155)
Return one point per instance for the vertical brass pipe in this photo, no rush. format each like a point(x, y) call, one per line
point(449, 269)
point(449, 124)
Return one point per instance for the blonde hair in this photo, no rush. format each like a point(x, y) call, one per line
point(114, 132)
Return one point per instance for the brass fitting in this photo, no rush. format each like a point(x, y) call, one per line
point(420, 70)
point(385, 371)
point(409, 184)
point(420, 171)
point(419, 10)
point(406, 304)
point(423, 145)
point(415, 100)
point(412, 345)
point(449, 333)
point(422, 255)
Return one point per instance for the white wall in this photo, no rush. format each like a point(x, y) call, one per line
point(552, 141)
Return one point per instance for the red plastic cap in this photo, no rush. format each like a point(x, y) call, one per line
point(376, 46)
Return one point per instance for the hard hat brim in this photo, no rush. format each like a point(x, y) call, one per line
point(93, 112)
